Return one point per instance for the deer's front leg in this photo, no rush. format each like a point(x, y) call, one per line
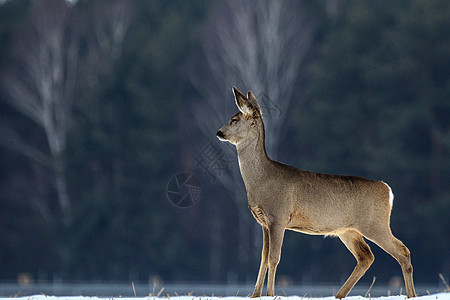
point(276, 234)
point(263, 267)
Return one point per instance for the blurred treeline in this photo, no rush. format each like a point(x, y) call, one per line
point(98, 110)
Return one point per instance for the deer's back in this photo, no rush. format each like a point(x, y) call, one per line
point(318, 203)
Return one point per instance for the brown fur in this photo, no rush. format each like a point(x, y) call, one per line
point(282, 197)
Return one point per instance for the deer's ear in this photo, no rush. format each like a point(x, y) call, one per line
point(242, 102)
point(254, 103)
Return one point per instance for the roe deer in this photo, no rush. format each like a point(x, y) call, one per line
point(282, 197)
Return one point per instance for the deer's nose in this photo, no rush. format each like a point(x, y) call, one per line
point(220, 134)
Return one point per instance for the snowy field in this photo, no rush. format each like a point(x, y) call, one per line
point(439, 296)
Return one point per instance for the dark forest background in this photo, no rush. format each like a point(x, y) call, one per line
point(103, 102)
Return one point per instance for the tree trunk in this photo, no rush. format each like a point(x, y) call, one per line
point(61, 190)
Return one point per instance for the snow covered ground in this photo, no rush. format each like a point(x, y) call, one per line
point(439, 296)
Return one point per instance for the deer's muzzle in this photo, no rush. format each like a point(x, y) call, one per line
point(220, 134)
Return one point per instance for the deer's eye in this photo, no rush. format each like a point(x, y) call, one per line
point(233, 121)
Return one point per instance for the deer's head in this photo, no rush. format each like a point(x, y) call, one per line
point(247, 124)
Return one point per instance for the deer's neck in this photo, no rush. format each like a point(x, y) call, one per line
point(253, 161)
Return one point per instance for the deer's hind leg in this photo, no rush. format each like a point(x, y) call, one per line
point(389, 243)
point(355, 243)
point(264, 262)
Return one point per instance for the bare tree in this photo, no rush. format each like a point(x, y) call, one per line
point(42, 80)
point(109, 22)
point(106, 28)
point(258, 45)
